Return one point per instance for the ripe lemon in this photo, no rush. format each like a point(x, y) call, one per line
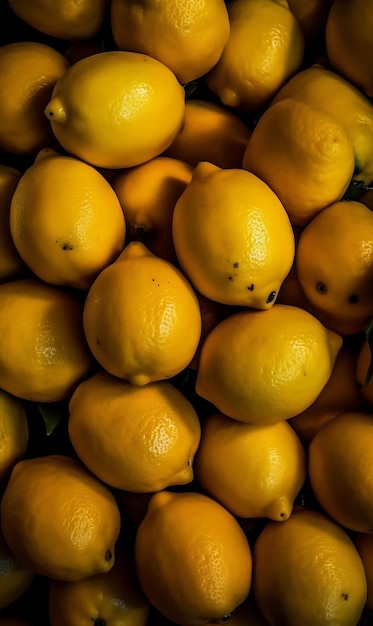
point(116, 109)
point(334, 264)
point(148, 194)
point(265, 47)
point(188, 36)
point(340, 463)
point(14, 431)
point(141, 317)
point(211, 132)
point(324, 89)
point(58, 519)
point(307, 571)
point(29, 71)
point(114, 597)
point(310, 162)
point(66, 221)
point(192, 558)
point(254, 471)
point(11, 264)
point(262, 367)
point(139, 439)
point(15, 579)
point(312, 16)
point(364, 544)
point(341, 393)
point(65, 20)
point(232, 237)
point(349, 43)
point(44, 352)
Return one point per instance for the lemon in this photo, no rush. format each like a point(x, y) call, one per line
point(142, 318)
point(116, 109)
point(11, 264)
point(147, 439)
point(262, 367)
point(14, 433)
point(254, 471)
point(232, 237)
point(15, 579)
point(192, 558)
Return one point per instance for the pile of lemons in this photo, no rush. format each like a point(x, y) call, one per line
point(186, 298)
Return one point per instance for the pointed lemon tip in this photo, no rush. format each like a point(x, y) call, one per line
point(55, 111)
point(204, 169)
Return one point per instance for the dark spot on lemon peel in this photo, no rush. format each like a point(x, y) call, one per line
point(108, 555)
point(321, 288)
point(271, 297)
point(236, 264)
point(344, 596)
point(230, 277)
point(353, 299)
point(67, 246)
point(251, 287)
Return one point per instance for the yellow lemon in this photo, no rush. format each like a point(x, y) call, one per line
point(312, 16)
point(114, 597)
point(66, 221)
point(188, 36)
point(211, 132)
point(15, 579)
point(262, 367)
point(340, 463)
point(265, 47)
point(349, 43)
point(324, 89)
point(44, 352)
point(303, 154)
point(58, 519)
point(116, 109)
point(254, 471)
point(192, 558)
point(14, 433)
point(11, 264)
point(148, 193)
point(334, 264)
point(307, 571)
point(139, 439)
point(232, 237)
point(65, 20)
point(141, 317)
point(29, 71)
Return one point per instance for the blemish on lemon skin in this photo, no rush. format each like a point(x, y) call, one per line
point(344, 596)
point(251, 287)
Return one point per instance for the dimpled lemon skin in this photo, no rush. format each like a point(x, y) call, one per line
point(142, 318)
point(116, 109)
point(58, 519)
point(140, 439)
point(232, 237)
point(262, 367)
point(192, 558)
point(307, 571)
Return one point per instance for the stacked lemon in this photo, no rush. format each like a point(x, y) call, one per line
point(186, 263)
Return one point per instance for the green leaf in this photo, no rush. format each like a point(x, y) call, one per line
point(190, 88)
point(52, 415)
point(355, 190)
point(369, 334)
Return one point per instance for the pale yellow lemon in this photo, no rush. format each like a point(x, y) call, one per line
point(140, 439)
point(116, 109)
point(310, 162)
point(340, 463)
point(254, 471)
point(265, 47)
point(58, 519)
point(211, 132)
point(66, 221)
point(114, 597)
point(192, 558)
point(65, 20)
point(232, 237)
point(188, 36)
point(307, 571)
point(147, 194)
point(262, 367)
point(348, 41)
point(29, 71)
point(11, 264)
point(327, 90)
point(44, 351)
point(141, 317)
